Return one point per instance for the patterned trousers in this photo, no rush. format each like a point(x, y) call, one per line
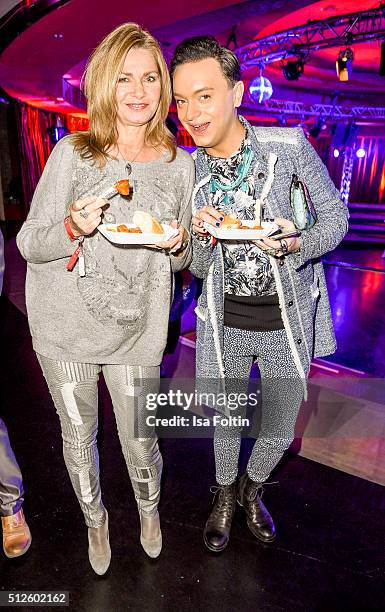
point(73, 387)
point(11, 483)
point(276, 413)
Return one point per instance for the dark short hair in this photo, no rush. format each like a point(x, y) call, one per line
point(199, 48)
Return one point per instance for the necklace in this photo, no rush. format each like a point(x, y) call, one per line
point(242, 170)
point(129, 162)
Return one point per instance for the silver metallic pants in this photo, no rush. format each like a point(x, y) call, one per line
point(11, 483)
point(73, 387)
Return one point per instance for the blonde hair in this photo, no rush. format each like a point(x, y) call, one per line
point(100, 79)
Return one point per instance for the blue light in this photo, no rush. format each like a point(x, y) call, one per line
point(57, 133)
point(260, 89)
point(336, 153)
point(360, 153)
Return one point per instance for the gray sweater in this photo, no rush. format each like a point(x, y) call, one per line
point(118, 312)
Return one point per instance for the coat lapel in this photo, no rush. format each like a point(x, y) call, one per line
point(264, 173)
point(201, 194)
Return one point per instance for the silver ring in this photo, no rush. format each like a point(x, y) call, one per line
point(84, 213)
point(272, 252)
point(284, 247)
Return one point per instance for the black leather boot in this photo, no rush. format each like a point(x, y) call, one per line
point(258, 518)
point(216, 533)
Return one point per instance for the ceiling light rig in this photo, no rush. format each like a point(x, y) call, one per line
point(313, 36)
point(344, 64)
point(292, 47)
point(293, 69)
point(293, 65)
point(299, 110)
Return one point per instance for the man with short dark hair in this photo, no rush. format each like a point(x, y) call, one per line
point(263, 300)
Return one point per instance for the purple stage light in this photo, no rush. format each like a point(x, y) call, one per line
point(336, 153)
point(360, 152)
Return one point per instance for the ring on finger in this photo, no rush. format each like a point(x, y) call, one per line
point(284, 247)
point(84, 213)
point(271, 251)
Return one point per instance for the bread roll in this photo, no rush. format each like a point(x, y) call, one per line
point(146, 223)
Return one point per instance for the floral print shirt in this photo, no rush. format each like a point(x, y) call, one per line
point(247, 269)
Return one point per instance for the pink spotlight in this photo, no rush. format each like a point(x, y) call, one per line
point(336, 153)
point(360, 153)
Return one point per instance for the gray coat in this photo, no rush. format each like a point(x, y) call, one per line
point(300, 281)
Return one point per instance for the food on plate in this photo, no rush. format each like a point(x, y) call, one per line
point(147, 224)
point(231, 222)
point(129, 230)
point(251, 227)
point(123, 228)
point(143, 224)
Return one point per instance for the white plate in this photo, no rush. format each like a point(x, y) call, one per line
point(127, 238)
point(242, 234)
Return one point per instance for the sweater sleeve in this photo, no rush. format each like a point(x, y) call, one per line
point(332, 214)
point(184, 218)
point(43, 236)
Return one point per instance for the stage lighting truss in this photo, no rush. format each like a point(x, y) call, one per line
point(301, 111)
point(315, 35)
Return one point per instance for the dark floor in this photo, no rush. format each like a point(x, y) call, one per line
point(356, 281)
point(361, 255)
point(329, 555)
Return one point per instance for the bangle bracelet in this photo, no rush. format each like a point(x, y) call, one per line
point(69, 229)
point(184, 245)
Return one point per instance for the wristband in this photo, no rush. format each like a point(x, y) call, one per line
point(69, 229)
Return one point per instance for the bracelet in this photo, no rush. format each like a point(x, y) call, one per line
point(69, 231)
point(183, 247)
point(202, 239)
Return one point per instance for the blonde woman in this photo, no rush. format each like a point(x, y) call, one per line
point(113, 316)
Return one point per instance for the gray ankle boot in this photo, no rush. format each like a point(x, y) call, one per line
point(99, 551)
